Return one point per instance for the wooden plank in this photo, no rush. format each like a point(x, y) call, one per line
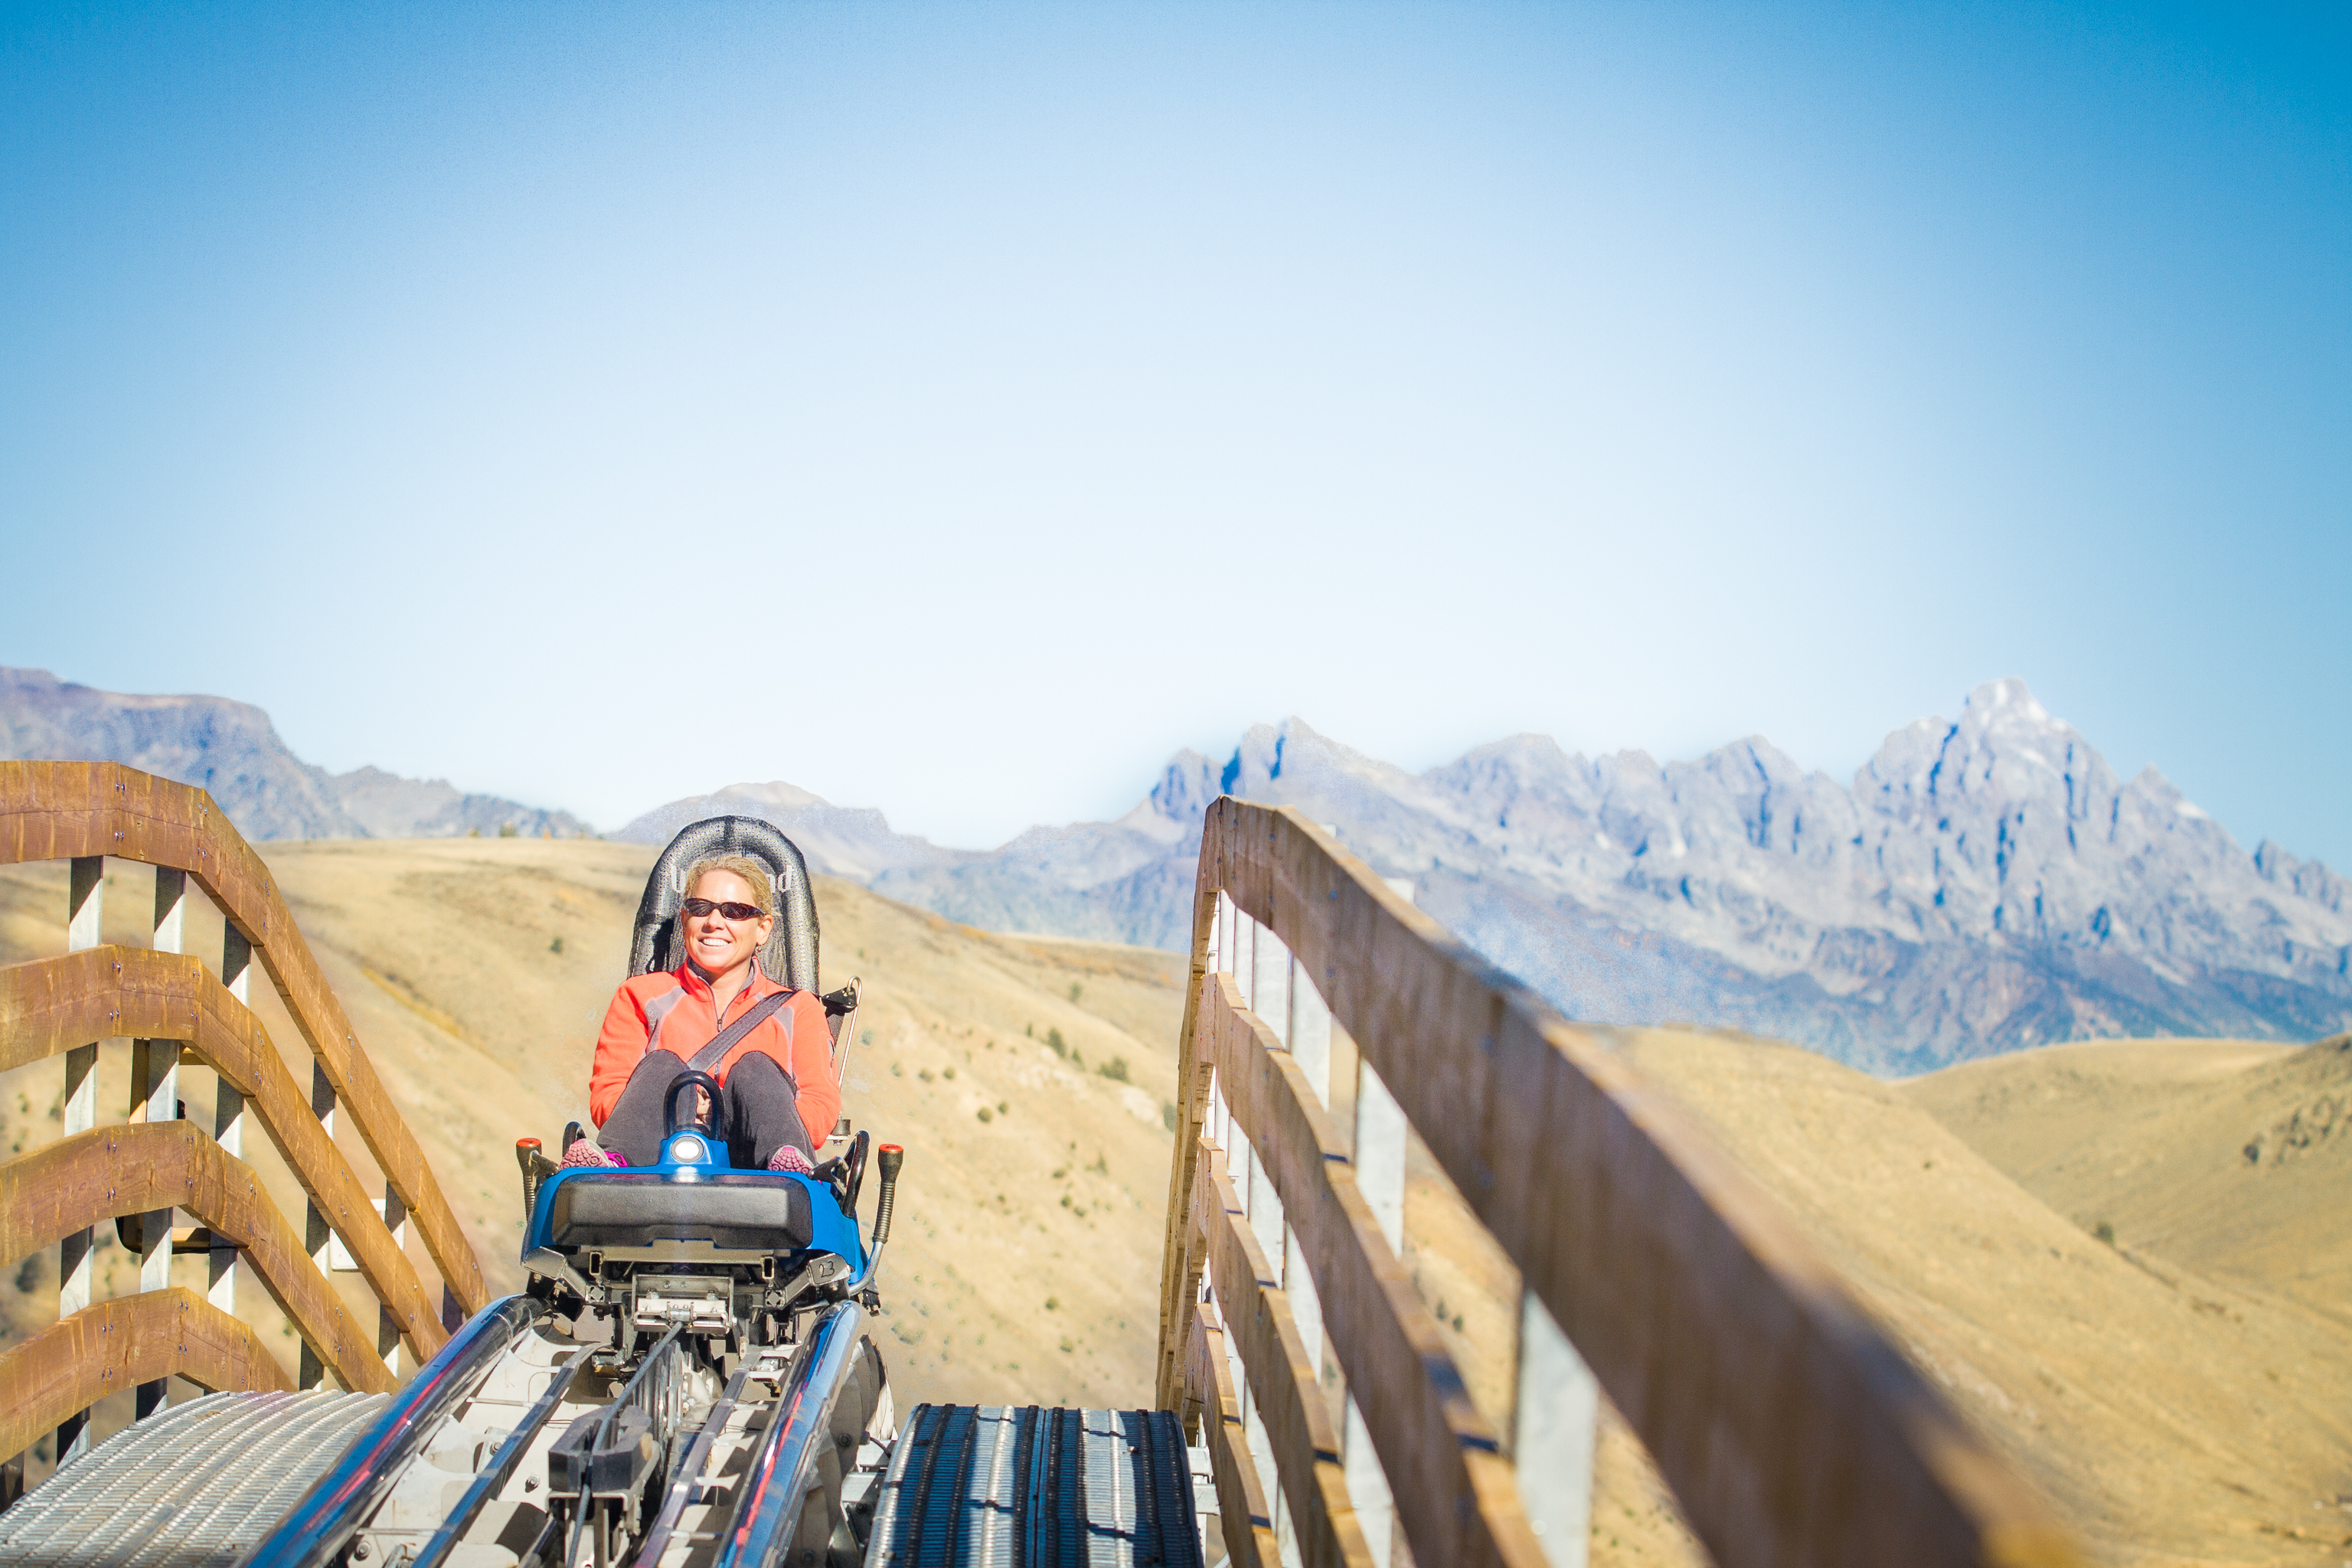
point(1245, 1516)
point(52, 1004)
point(1298, 1428)
point(51, 810)
point(1180, 1268)
point(1457, 1495)
point(73, 1363)
point(162, 1165)
point(1788, 1428)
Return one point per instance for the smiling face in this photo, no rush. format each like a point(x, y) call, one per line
point(713, 941)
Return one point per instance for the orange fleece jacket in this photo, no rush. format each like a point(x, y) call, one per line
point(673, 1011)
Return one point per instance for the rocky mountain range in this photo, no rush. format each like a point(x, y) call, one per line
point(233, 750)
point(1982, 884)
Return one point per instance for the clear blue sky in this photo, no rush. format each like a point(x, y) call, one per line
point(956, 409)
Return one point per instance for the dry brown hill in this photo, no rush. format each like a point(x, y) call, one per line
point(2173, 1417)
point(1025, 1266)
point(2228, 1157)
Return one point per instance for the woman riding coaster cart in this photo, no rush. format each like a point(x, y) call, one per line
point(772, 1047)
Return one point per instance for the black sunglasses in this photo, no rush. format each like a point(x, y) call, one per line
point(698, 908)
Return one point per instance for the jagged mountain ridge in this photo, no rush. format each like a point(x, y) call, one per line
point(234, 751)
point(1982, 884)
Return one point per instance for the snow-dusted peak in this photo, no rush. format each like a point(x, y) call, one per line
point(1267, 750)
point(2007, 697)
point(1171, 813)
point(2003, 715)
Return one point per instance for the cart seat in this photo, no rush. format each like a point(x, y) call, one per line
point(734, 1211)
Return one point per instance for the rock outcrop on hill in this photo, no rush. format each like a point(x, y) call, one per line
point(232, 749)
point(1980, 885)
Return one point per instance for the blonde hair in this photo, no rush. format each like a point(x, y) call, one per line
point(763, 891)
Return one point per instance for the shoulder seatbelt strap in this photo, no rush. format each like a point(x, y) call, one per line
point(725, 1040)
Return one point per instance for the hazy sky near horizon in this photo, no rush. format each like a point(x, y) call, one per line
point(957, 408)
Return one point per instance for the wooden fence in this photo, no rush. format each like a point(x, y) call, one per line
point(172, 1007)
point(1325, 1015)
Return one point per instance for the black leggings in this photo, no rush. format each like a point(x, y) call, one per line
point(759, 1110)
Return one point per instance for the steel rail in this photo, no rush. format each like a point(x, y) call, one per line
point(657, 1378)
point(778, 1480)
point(324, 1520)
point(689, 1472)
point(501, 1469)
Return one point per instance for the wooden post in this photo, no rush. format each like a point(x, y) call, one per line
point(1309, 1033)
point(387, 1327)
point(1310, 1037)
point(318, 1235)
point(155, 1098)
point(1296, 1017)
point(1379, 1173)
point(1380, 1130)
point(1234, 943)
point(1305, 1304)
point(1340, 1078)
point(1558, 1412)
point(1368, 1489)
point(85, 906)
point(229, 1115)
point(1270, 984)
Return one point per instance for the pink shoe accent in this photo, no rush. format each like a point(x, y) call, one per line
point(792, 1161)
point(585, 1156)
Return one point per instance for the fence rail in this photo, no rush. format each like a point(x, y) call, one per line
point(110, 1172)
point(126, 1344)
point(1787, 1428)
point(169, 1004)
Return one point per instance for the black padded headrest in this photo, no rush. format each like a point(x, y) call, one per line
point(790, 955)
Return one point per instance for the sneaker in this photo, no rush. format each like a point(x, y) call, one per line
point(585, 1156)
point(791, 1160)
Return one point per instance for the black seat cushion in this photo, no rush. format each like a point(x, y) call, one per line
point(737, 1210)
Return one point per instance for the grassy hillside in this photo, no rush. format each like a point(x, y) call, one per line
point(1025, 1266)
point(2228, 1158)
point(2173, 1416)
